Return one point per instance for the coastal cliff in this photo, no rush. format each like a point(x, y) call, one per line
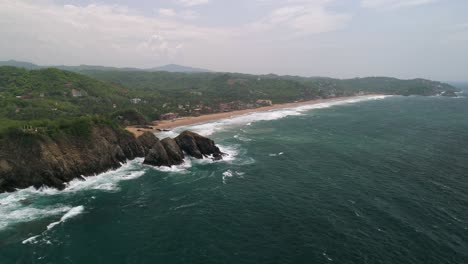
point(35, 160)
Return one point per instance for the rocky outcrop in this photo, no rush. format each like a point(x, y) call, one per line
point(198, 146)
point(449, 94)
point(32, 160)
point(174, 152)
point(168, 151)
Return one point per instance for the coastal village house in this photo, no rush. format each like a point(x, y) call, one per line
point(76, 93)
point(225, 107)
point(135, 100)
point(169, 116)
point(264, 102)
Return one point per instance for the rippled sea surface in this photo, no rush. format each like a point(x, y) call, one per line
point(381, 180)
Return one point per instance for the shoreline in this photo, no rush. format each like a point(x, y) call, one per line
point(191, 120)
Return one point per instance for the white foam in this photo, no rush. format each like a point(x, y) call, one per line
point(70, 214)
point(182, 168)
point(241, 138)
point(31, 240)
point(207, 129)
point(12, 214)
point(229, 174)
point(275, 154)
point(20, 206)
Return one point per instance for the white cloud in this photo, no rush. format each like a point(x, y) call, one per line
point(41, 31)
point(392, 4)
point(303, 17)
point(48, 33)
point(167, 12)
point(171, 13)
point(193, 2)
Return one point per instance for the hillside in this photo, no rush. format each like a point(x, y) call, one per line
point(53, 94)
point(184, 92)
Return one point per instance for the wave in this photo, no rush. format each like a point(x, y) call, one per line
point(209, 128)
point(11, 214)
point(229, 174)
point(25, 205)
point(275, 154)
point(70, 214)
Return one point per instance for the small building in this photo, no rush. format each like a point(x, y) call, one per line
point(207, 110)
point(76, 93)
point(264, 102)
point(169, 116)
point(135, 100)
point(69, 84)
point(196, 111)
point(27, 96)
point(224, 107)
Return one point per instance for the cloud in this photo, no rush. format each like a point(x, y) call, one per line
point(167, 12)
point(48, 33)
point(193, 2)
point(303, 17)
point(392, 4)
point(43, 31)
point(171, 13)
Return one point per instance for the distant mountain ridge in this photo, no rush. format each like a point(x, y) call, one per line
point(79, 68)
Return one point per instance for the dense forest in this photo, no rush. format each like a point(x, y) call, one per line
point(42, 95)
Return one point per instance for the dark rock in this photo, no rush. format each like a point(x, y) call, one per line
point(36, 160)
point(175, 154)
point(147, 140)
point(449, 94)
point(198, 146)
point(157, 156)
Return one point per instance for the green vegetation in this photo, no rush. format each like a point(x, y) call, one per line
point(57, 102)
point(79, 127)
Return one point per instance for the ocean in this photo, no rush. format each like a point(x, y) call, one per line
point(377, 180)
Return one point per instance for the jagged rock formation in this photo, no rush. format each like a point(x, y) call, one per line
point(198, 146)
point(449, 94)
point(40, 161)
point(170, 152)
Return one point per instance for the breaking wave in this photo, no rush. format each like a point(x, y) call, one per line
point(25, 205)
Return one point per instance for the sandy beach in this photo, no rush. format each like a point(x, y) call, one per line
point(190, 120)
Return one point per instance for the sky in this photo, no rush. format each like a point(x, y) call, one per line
point(335, 38)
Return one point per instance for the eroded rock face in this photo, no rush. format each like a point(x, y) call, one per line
point(38, 161)
point(174, 152)
point(198, 146)
point(157, 156)
point(41, 161)
point(147, 140)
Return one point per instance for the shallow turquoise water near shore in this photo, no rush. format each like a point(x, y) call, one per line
point(375, 181)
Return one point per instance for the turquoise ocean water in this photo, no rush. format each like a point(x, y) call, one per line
point(381, 180)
